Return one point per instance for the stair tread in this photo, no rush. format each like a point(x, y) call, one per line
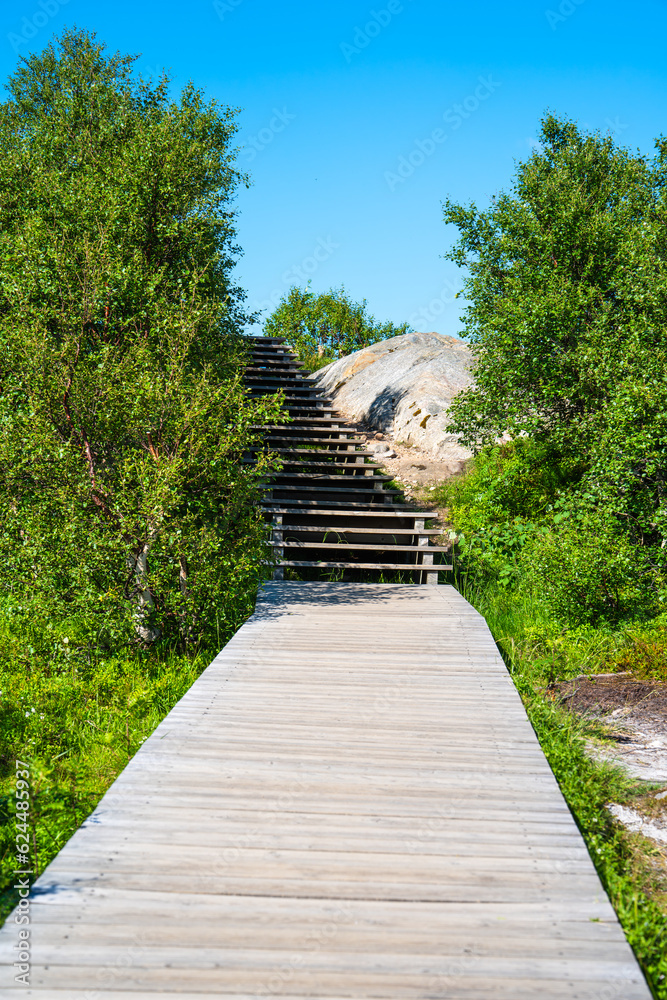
point(322, 477)
point(307, 487)
point(357, 467)
point(418, 549)
point(388, 510)
point(405, 567)
point(256, 373)
point(360, 531)
point(302, 423)
point(309, 451)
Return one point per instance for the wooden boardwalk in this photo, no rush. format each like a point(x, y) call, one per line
point(350, 802)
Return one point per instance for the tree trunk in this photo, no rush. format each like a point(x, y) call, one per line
point(144, 603)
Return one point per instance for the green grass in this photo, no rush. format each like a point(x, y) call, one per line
point(77, 720)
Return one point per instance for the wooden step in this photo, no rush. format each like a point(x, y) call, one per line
point(357, 468)
point(404, 567)
point(298, 434)
point(325, 436)
point(287, 385)
point(297, 507)
point(277, 379)
point(297, 412)
point(275, 352)
point(308, 451)
point(312, 492)
point(353, 467)
point(270, 359)
point(339, 477)
point(332, 441)
point(362, 531)
point(316, 424)
point(277, 366)
point(379, 547)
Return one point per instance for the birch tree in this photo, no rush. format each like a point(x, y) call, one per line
point(123, 416)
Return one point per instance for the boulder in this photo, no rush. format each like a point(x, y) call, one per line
point(403, 387)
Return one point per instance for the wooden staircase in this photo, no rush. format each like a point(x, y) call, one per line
point(329, 505)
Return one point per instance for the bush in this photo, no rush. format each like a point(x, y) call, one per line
point(498, 506)
point(517, 479)
point(587, 573)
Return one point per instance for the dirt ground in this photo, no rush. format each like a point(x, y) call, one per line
point(409, 465)
point(633, 714)
point(416, 471)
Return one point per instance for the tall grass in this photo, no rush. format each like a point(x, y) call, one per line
point(77, 717)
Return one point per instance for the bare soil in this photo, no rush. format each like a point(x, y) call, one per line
point(417, 472)
point(634, 716)
point(410, 466)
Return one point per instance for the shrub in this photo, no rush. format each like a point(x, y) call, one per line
point(585, 571)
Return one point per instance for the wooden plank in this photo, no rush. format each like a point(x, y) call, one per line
point(337, 932)
point(548, 915)
point(320, 975)
point(511, 888)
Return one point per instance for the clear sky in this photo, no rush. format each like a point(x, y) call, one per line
point(359, 118)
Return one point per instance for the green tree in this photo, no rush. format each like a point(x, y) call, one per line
point(324, 327)
point(125, 509)
point(567, 285)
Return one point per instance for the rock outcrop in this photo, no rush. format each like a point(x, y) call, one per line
point(403, 387)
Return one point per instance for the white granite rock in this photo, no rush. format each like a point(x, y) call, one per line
point(403, 387)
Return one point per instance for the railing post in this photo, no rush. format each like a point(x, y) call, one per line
point(278, 550)
point(427, 557)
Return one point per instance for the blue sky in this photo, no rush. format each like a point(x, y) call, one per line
point(360, 118)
